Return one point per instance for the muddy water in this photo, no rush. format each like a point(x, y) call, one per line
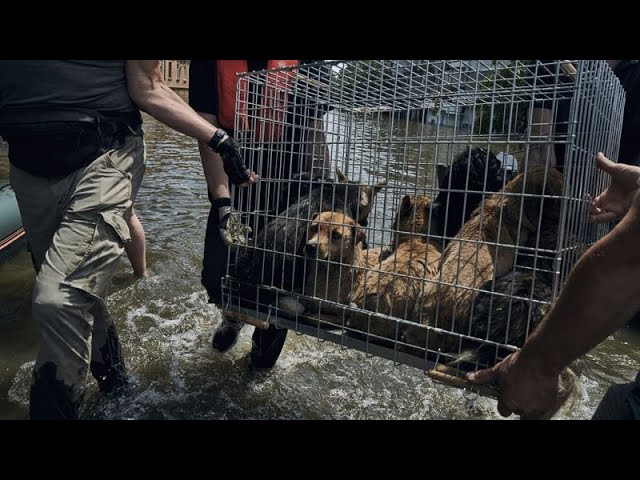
point(166, 327)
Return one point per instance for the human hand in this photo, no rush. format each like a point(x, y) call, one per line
point(234, 165)
point(614, 202)
point(523, 389)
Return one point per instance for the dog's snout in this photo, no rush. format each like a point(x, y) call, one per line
point(311, 249)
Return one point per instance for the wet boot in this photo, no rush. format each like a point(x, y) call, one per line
point(50, 398)
point(226, 335)
point(111, 373)
point(266, 346)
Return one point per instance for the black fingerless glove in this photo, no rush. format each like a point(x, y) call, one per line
point(232, 160)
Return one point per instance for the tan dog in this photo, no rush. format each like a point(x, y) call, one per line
point(412, 219)
point(335, 259)
point(394, 287)
point(485, 248)
point(275, 257)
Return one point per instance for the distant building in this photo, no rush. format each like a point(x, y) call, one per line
point(175, 73)
point(455, 72)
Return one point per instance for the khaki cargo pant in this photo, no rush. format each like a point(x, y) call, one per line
point(76, 228)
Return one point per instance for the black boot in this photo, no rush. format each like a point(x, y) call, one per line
point(50, 398)
point(267, 345)
point(111, 373)
point(226, 335)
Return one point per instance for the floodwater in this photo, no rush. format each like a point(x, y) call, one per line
point(166, 326)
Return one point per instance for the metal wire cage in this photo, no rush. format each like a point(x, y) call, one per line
point(424, 211)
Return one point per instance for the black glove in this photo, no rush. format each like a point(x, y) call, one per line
point(233, 164)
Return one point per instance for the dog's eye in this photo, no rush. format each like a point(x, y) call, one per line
point(336, 235)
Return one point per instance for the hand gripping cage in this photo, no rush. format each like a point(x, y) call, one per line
point(424, 211)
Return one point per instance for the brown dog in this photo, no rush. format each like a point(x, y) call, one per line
point(394, 287)
point(275, 257)
point(484, 249)
point(415, 217)
point(335, 260)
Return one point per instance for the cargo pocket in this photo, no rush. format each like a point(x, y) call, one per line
point(102, 187)
point(93, 274)
point(119, 224)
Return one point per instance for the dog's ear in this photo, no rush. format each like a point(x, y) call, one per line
point(405, 205)
point(342, 178)
point(359, 235)
point(368, 194)
point(441, 171)
point(381, 184)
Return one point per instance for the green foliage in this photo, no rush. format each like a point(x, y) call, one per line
point(495, 98)
point(496, 109)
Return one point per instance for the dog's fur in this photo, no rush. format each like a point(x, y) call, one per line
point(335, 260)
point(299, 186)
point(303, 185)
point(507, 315)
point(275, 257)
point(540, 252)
point(494, 314)
point(511, 320)
point(508, 318)
point(341, 270)
point(467, 174)
point(414, 217)
point(394, 287)
point(472, 258)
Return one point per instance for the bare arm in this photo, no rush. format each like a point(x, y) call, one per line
point(217, 180)
point(152, 95)
point(600, 296)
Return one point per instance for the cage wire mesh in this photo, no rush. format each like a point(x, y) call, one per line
point(425, 211)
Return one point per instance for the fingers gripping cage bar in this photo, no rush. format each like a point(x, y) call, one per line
point(425, 211)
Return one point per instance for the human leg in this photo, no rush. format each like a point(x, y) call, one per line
point(135, 249)
point(86, 213)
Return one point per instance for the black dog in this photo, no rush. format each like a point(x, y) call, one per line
point(509, 316)
point(472, 171)
point(275, 258)
point(511, 320)
point(299, 186)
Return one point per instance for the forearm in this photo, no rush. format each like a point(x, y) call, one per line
point(600, 296)
point(166, 106)
point(217, 179)
point(152, 95)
